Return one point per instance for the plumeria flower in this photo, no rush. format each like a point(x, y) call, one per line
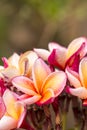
point(14, 112)
point(61, 57)
point(44, 86)
point(78, 80)
point(19, 65)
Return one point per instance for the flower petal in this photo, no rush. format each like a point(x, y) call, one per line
point(13, 60)
point(53, 45)
point(80, 92)
point(5, 61)
point(55, 81)
point(2, 108)
point(83, 71)
point(47, 97)
point(42, 53)
point(24, 84)
point(39, 73)
point(30, 100)
point(73, 62)
point(26, 62)
point(58, 57)
point(9, 101)
point(10, 72)
point(73, 78)
point(21, 111)
point(7, 123)
point(77, 44)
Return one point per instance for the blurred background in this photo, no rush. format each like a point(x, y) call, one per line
point(25, 24)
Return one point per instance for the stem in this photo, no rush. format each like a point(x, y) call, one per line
point(55, 106)
point(64, 121)
point(85, 121)
point(48, 122)
point(58, 122)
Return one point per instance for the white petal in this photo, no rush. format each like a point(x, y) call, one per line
point(79, 92)
point(73, 78)
point(7, 123)
point(42, 53)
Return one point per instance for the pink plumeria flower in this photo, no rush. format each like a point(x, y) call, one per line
point(44, 86)
point(61, 57)
point(14, 113)
point(19, 65)
point(78, 80)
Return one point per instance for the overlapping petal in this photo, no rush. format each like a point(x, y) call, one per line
point(78, 45)
point(26, 62)
point(24, 84)
point(47, 97)
point(78, 80)
point(10, 72)
point(80, 92)
point(15, 111)
point(58, 57)
point(55, 81)
point(42, 53)
point(13, 60)
point(30, 99)
point(73, 77)
point(39, 73)
point(2, 108)
point(12, 108)
point(7, 123)
point(83, 71)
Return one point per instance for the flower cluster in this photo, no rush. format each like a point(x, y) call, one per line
point(38, 77)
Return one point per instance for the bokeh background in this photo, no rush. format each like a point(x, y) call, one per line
point(25, 24)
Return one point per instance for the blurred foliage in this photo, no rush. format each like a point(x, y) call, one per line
point(25, 24)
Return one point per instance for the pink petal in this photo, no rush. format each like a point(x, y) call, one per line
point(2, 86)
point(47, 97)
point(73, 62)
point(42, 53)
point(79, 45)
point(55, 81)
point(24, 84)
point(83, 71)
point(30, 100)
point(5, 61)
point(22, 112)
point(7, 123)
point(80, 92)
point(58, 57)
point(39, 73)
point(2, 108)
point(73, 78)
point(13, 108)
point(9, 101)
point(53, 45)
